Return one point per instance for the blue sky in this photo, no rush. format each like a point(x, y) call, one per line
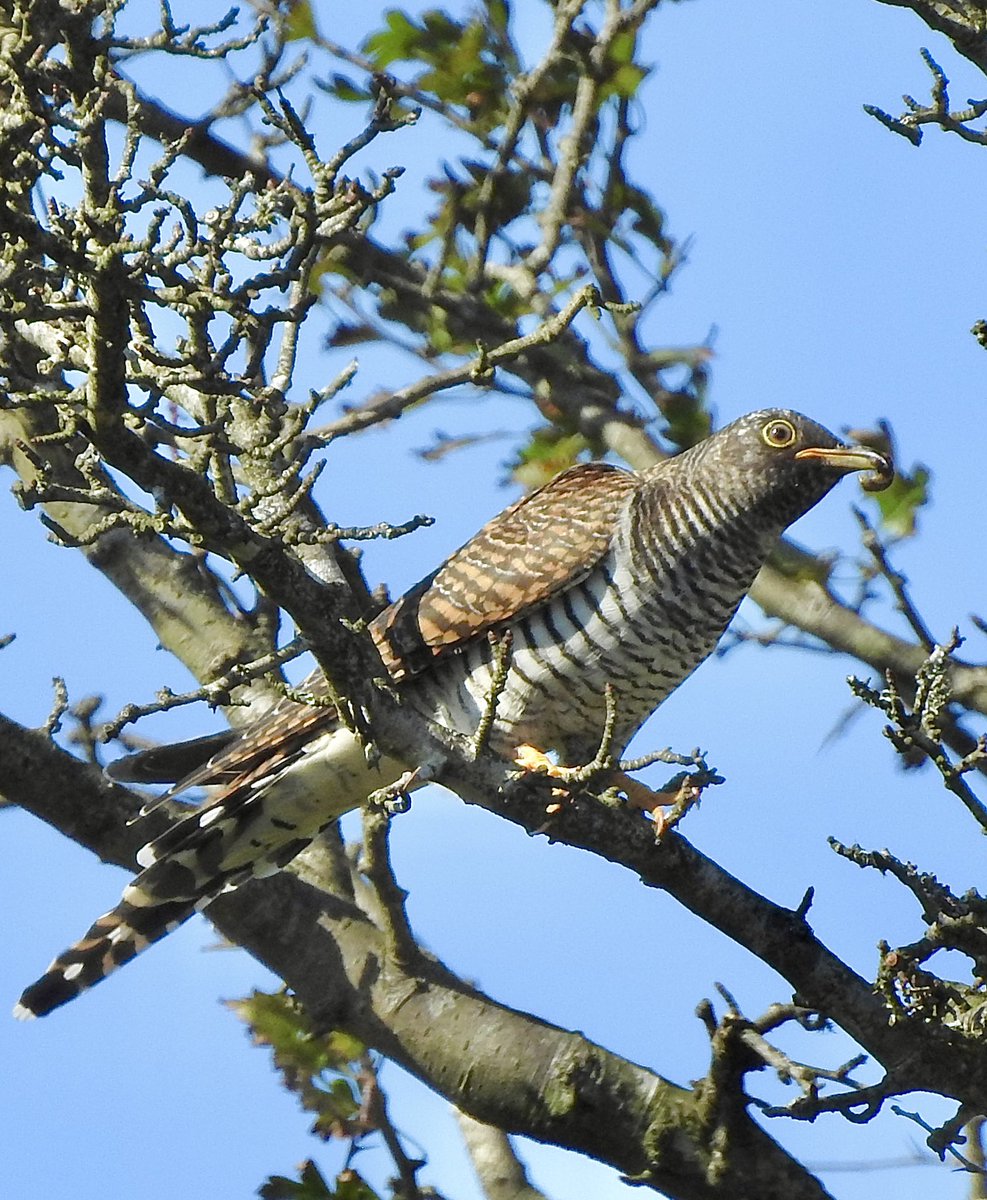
point(842, 269)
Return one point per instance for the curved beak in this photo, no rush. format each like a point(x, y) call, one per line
point(854, 458)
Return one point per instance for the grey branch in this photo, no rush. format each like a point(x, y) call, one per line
point(499, 1170)
point(559, 1088)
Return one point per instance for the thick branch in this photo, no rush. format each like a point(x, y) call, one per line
point(918, 1056)
point(963, 23)
point(554, 1086)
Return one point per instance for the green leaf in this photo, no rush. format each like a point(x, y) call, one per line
point(688, 419)
point(547, 453)
point(625, 75)
point(324, 1071)
point(499, 15)
point(310, 1186)
point(398, 41)
point(900, 503)
point(465, 63)
point(351, 1186)
point(301, 22)
point(797, 564)
point(278, 1187)
point(346, 334)
point(345, 89)
point(624, 82)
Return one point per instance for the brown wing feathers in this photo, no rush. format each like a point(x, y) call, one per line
point(549, 539)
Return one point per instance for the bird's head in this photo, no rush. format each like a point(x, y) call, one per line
point(783, 463)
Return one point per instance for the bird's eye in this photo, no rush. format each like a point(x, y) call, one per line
point(779, 434)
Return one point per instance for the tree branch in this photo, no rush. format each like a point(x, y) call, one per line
point(961, 21)
point(557, 1087)
point(499, 1170)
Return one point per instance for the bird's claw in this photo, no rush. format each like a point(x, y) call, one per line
point(395, 798)
point(534, 761)
point(677, 797)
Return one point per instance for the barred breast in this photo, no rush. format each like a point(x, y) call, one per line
point(643, 619)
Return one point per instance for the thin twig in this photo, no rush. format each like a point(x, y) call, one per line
point(897, 582)
point(909, 124)
point(500, 667)
point(475, 370)
point(603, 760)
point(920, 728)
point(60, 704)
point(375, 1105)
point(401, 942)
point(944, 1138)
point(214, 694)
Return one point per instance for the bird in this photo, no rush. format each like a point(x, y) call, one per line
point(608, 586)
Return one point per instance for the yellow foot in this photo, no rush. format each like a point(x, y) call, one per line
point(678, 796)
point(530, 758)
point(639, 795)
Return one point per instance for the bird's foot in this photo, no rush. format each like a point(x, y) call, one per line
point(530, 758)
point(395, 798)
point(665, 806)
point(677, 796)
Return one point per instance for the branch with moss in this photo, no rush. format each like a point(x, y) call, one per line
point(559, 1087)
point(184, 602)
point(919, 730)
point(917, 1054)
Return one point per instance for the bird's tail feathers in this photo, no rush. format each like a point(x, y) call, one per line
point(186, 868)
point(172, 763)
point(237, 836)
point(174, 885)
point(116, 938)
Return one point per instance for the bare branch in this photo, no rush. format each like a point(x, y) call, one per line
point(909, 125)
point(475, 371)
point(216, 693)
point(499, 1170)
point(897, 582)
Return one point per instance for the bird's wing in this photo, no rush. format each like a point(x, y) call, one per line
point(232, 758)
point(546, 541)
point(170, 762)
point(288, 724)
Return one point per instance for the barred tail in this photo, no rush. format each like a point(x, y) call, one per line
point(185, 869)
point(250, 830)
point(116, 938)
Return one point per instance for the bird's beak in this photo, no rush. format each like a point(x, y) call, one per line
point(854, 458)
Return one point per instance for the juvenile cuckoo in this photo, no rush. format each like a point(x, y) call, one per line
point(602, 577)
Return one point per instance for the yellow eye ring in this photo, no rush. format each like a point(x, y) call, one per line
point(779, 433)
